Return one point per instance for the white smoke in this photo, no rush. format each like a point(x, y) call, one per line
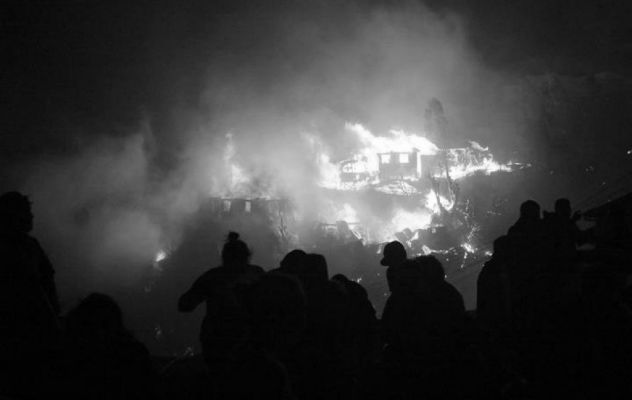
point(105, 210)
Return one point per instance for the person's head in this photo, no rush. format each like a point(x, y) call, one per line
point(432, 271)
point(394, 254)
point(530, 210)
point(563, 208)
point(314, 270)
point(293, 261)
point(15, 212)
point(340, 278)
point(96, 313)
point(235, 251)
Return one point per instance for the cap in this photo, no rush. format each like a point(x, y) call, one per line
point(394, 252)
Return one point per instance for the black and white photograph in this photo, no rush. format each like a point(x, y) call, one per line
point(315, 199)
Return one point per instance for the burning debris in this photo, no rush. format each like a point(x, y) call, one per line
point(399, 186)
point(410, 165)
point(405, 160)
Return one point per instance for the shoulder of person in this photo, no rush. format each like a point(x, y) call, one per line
point(255, 269)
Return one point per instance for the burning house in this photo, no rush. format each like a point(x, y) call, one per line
point(395, 186)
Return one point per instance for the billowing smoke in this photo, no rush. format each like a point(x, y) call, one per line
point(264, 80)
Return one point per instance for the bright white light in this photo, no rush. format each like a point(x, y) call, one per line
point(468, 247)
point(161, 255)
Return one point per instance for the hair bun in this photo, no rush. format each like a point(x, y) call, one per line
point(233, 236)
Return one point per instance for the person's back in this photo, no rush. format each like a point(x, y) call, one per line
point(448, 308)
point(225, 324)
point(427, 314)
point(564, 234)
point(319, 354)
point(101, 357)
point(276, 304)
point(492, 299)
point(400, 324)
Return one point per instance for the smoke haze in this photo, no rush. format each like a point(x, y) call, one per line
point(112, 194)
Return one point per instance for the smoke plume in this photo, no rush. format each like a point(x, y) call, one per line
point(237, 94)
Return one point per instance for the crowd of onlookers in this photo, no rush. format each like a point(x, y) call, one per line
point(551, 321)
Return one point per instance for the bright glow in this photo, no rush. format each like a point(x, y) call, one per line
point(487, 166)
point(238, 180)
point(363, 168)
point(397, 163)
point(468, 247)
point(401, 219)
point(329, 173)
point(413, 220)
point(398, 141)
point(432, 204)
point(161, 255)
point(346, 213)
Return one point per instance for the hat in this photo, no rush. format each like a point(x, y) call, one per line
point(394, 252)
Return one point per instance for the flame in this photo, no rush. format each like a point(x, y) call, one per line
point(487, 166)
point(329, 173)
point(432, 204)
point(421, 169)
point(160, 255)
point(413, 220)
point(347, 213)
point(469, 247)
point(399, 141)
point(363, 167)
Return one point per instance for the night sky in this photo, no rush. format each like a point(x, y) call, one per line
point(97, 66)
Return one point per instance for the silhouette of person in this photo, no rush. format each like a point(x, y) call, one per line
point(564, 233)
point(223, 288)
point(529, 221)
point(492, 298)
point(394, 256)
point(103, 359)
point(292, 263)
point(29, 327)
point(362, 324)
point(276, 303)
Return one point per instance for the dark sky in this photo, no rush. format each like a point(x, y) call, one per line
point(72, 64)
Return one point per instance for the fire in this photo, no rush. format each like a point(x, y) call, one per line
point(160, 255)
point(238, 180)
point(399, 163)
point(398, 141)
point(433, 200)
point(410, 154)
point(346, 213)
point(486, 165)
